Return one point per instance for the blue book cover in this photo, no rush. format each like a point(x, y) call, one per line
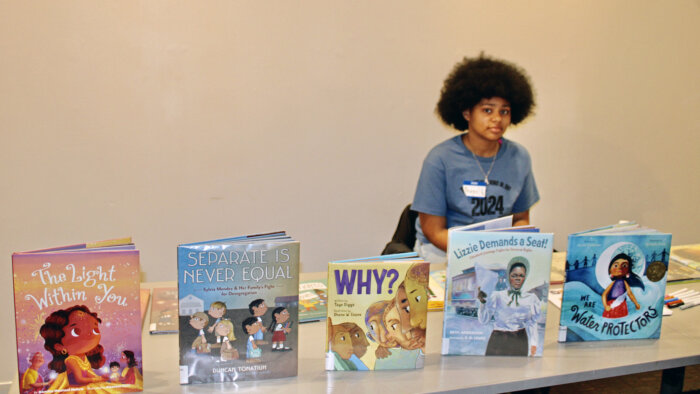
point(238, 308)
point(614, 287)
point(496, 292)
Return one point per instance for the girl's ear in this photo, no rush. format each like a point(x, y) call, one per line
point(467, 114)
point(59, 347)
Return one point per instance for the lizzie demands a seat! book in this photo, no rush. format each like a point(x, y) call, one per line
point(78, 318)
point(377, 314)
point(615, 283)
point(238, 308)
point(497, 285)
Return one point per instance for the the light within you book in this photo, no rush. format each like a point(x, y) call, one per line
point(78, 318)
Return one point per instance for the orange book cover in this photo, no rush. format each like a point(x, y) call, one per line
point(78, 318)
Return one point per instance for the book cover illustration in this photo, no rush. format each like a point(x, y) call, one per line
point(238, 309)
point(78, 319)
point(313, 298)
point(497, 286)
point(377, 315)
point(164, 316)
point(614, 286)
point(436, 289)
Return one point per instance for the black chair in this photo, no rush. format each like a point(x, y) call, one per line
point(404, 238)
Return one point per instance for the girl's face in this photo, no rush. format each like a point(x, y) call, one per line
point(81, 334)
point(489, 119)
point(222, 330)
point(282, 316)
point(619, 267)
point(517, 277)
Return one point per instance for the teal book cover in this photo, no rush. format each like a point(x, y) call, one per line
point(496, 292)
point(238, 308)
point(614, 287)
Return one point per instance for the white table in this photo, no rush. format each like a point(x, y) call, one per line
point(678, 347)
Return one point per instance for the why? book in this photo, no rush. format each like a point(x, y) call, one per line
point(377, 313)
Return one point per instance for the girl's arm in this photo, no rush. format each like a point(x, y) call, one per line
point(521, 219)
point(605, 297)
point(435, 229)
point(73, 368)
point(629, 292)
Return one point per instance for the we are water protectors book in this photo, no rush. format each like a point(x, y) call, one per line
point(615, 284)
point(238, 308)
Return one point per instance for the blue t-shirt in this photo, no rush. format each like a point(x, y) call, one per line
point(511, 187)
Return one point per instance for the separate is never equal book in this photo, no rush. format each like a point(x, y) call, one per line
point(78, 318)
point(238, 308)
point(497, 285)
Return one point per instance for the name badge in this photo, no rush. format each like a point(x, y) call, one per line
point(474, 189)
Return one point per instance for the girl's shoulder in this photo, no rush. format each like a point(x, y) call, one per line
point(514, 151)
point(446, 149)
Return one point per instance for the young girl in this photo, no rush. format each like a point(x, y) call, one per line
point(224, 329)
point(131, 374)
point(280, 316)
point(477, 175)
point(615, 295)
point(73, 337)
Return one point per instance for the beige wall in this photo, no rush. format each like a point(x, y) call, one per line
point(183, 121)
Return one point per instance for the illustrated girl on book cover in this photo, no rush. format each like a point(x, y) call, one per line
point(72, 336)
point(615, 295)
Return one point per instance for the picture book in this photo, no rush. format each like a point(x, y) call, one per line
point(238, 308)
point(78, 318)
point(313, 297)
point(377, 313)
point(615, 283)
point(688, 255)
point(164, 316)
point(497, 285)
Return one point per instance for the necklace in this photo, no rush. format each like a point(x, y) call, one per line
point(486, 174)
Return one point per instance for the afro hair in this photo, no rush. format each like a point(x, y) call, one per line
point(474, 79)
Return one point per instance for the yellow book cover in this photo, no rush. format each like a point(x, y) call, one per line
point(377, 314)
